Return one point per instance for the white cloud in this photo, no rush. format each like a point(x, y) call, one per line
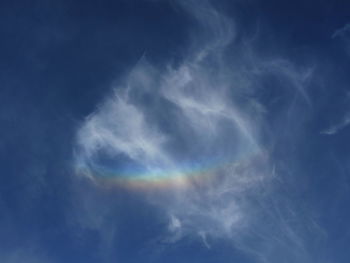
point(337, 127)
point(203, 112)
point(28, 253)
point(341, 32)
point(342, 35)
point(120, 128)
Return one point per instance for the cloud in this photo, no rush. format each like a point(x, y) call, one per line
point(337, 127)
point(198, 130)
point(121, 128)
point(341, 32)
point(29, 253)
point(342, 35)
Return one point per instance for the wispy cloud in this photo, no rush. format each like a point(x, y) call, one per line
point(343, 36)
point(341, 32)
point(204, 112)
point(28, 253)
point(337, 127)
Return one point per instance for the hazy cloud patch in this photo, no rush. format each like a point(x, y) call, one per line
point(203, 113)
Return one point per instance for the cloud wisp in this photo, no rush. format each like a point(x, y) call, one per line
point(342, 32)
point(337, 127)
point(191, 137)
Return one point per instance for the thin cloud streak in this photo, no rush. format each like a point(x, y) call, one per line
point(342, 32)
point(337, 127)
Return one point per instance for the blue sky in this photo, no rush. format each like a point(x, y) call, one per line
point(174, 131)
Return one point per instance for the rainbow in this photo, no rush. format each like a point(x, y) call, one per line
point(163, 178)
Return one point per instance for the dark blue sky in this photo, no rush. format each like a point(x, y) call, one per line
point(174, 131)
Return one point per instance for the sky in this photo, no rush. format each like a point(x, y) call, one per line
point(174, 131)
